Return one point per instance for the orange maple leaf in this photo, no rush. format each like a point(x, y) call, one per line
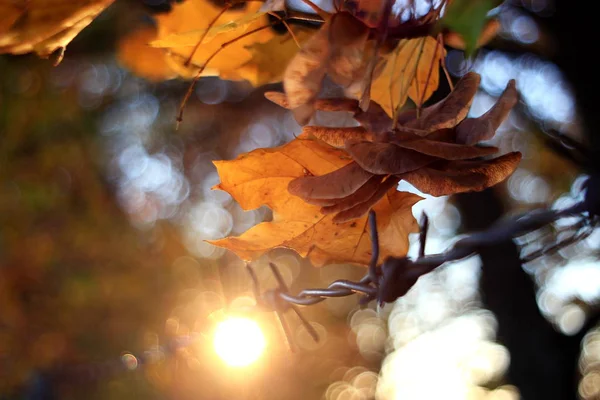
point(262, 177)
point(180, 30)
point(143, 60)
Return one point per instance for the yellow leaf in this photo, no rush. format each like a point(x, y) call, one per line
point(190, 38)
point(148, 62)
point(180, 30)
point(261, 177)
point(270, 59)
point(45, 26)
point(412, 70)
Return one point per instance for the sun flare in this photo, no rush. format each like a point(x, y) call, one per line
point(239, 341)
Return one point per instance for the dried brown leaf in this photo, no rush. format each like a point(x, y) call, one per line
point(347, 41)
point(386, 158)
point(463, 176)
point(448, 112)
point(375, 119)
point(304, 75)
point(339, 183)
point(331, 104)
point(337, 137)
point(474, 130)
point(362, 208)
point(446, 151)
point(361, 195)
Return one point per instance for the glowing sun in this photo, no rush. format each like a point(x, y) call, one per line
point(239, 341)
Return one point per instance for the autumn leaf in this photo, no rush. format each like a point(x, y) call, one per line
point(475, 130)
point(270, 59)
point(180, 30)
point(44, 26)
point(332, 104)
point(463, 176)
point(387, 158)
point(304, 75)
point(262, 177)
point(340, 50)
point(411, 71)
point(191, 38)
point(446, 113)
point(347, 63)
point(440, 162)
point(138, 56)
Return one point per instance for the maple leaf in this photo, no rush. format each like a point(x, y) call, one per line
point(411, 71)
point(262, 177)
point(143, 60)
point(44, 26)
point(180, 30)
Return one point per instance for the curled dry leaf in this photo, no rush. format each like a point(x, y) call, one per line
point(347, 41)
point(463, 176)
point(361, 209)
point(341, 49)
point(339, 183)
point(333, 104)
point(475, 130)
point(337, 137)
point(448, 112)
point(262, 176)
point(446, 151)
point(333, 206)
point(386, 158)
point(44, 26)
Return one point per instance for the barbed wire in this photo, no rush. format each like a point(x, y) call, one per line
point(396, 275)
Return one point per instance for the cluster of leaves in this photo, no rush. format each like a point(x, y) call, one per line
point(321, 185)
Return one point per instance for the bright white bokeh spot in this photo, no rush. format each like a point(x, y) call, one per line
point(239, 341)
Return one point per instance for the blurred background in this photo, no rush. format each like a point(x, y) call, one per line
point(108, 290)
